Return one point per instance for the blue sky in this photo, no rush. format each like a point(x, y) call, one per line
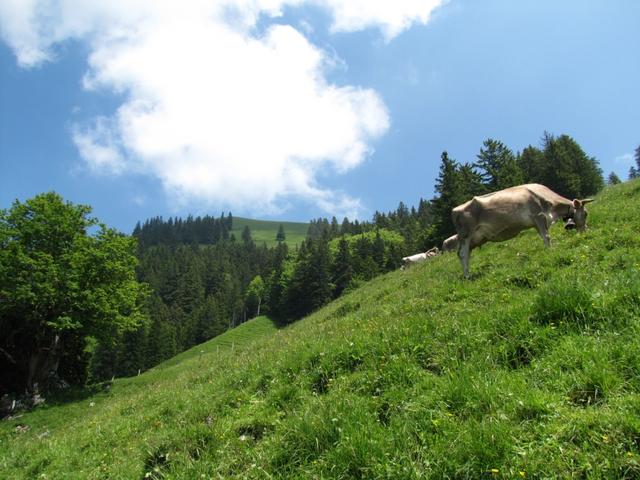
point(292, 110)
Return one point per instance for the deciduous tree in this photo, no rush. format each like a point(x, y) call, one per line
point(63, 277)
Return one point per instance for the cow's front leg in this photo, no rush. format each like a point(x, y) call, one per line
point(463, 254)
point(542, 226)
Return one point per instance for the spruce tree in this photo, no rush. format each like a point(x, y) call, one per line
point(498, 166)
point(298, 288)
point(162, 335)
point(365, 266)
point(345, 227)
point(280, 236)
point(568, 170)
point(335, 227)
point(613, 179)
point(342, 268)
point(532, 165)
point(470, 182)
point(246, 235)
point(210, 322)
point(131, 352)
point(103, 362)
point(377, 251)
point(449, 188)
point(319, 276)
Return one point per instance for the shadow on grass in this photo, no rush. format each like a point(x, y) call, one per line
point(76, 394)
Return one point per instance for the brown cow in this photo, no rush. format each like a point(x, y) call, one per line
point(502, 215)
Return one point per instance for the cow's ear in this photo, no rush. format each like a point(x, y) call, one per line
point(577, 203)
point(587, 200)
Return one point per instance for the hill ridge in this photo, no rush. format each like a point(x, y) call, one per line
point(266, 230)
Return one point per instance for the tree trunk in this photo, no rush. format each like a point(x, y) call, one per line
point(259, 302)
point(41, 365)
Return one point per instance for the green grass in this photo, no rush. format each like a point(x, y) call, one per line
point(246, 333)
point(266, 231)
point(530, 370)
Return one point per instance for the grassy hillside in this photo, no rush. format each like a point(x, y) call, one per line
point(266, 231)
point(529, 370)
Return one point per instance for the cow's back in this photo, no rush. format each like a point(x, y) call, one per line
point(501, 215)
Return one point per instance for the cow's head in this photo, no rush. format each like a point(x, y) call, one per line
point(580, 214)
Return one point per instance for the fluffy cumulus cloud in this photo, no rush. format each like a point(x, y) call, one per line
point(222, 112)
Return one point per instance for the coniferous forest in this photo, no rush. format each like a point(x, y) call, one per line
point(195, 279)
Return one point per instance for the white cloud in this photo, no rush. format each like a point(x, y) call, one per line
point(392, 17)
point(625, 159)
point(98, 147)
point(219, 113)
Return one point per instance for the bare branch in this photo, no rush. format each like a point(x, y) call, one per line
point(9, 357)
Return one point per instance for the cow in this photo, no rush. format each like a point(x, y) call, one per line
point(502, 215)
point(419, 257)
point(450, 244)
point(412, 259)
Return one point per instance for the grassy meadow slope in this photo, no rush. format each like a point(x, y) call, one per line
point(530, 370)
point(266, 231)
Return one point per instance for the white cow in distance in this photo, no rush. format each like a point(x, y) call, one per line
point(419, 257)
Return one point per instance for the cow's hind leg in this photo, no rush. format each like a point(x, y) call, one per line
point(464, 251)
point(542, 226)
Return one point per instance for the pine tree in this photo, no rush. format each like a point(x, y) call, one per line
point(498, 166)
point(131, 352)
point(280, 236)
point(335, 227)
point(103, 362)
point(613, 179)
point(342, 268)
point(532, 165)
point(425, 214)
point(377, 251)
point(449, 188)
point(568, 169)
point(210, 320)
point(365, 266)
point(162, 335)
point(320, 287)
point(246, 235)
point(297, 294)
point(634, 171)
point(470, 182)
point(190, 289)
point(345, 227)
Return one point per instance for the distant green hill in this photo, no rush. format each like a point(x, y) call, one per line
point(529, 370)
point(266, 230)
